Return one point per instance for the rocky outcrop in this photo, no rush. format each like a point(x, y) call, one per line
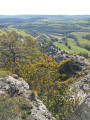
point(61, 55)
point(81, 88)
point(82, 92)
point(78, 65)
point(14, 87)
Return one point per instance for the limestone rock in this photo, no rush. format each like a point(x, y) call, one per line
point(82, 91)
point(18, 87)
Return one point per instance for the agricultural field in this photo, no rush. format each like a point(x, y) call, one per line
point(65, 32)
point(74, 48)
point(80, 36)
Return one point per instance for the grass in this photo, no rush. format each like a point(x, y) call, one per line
point(71, 42)
point(74, 48)
point(10, 29)
point(80, 39)
point(14, 108)
point(21, 32)
point(61, 46)
point(56, 36)
point(47, 37)
point(3, 73)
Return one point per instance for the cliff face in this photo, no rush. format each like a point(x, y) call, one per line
point(18, 102)
point(82, 92)
point(81, 88)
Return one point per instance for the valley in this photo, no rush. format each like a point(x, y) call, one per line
point(60, 30)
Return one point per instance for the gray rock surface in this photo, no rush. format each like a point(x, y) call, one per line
point(13, 86)
point(82, 91)
point(76, 58)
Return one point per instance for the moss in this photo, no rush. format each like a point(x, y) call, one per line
point(15, 108)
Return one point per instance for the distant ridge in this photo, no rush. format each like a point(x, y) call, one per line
point(62, 17)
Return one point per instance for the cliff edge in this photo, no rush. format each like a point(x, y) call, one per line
point(18, 102)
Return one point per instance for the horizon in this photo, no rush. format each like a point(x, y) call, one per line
point(44, 14)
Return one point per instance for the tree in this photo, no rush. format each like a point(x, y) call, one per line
point(30, 48)
point(66, 43)
point(10, 49)
point(69, 47)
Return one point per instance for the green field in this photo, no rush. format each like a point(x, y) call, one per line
point(79, 35)
point(74, 48)
point(54, 28)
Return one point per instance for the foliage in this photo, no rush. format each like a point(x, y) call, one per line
point(12, 48)
point(39, 70)
point(43, 77)
point(86, 37)
point(9, 47)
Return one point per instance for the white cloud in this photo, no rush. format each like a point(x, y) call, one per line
point(44, 7)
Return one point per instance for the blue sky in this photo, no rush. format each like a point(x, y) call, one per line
point(56, 7)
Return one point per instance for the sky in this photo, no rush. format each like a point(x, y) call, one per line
point(45, 7)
